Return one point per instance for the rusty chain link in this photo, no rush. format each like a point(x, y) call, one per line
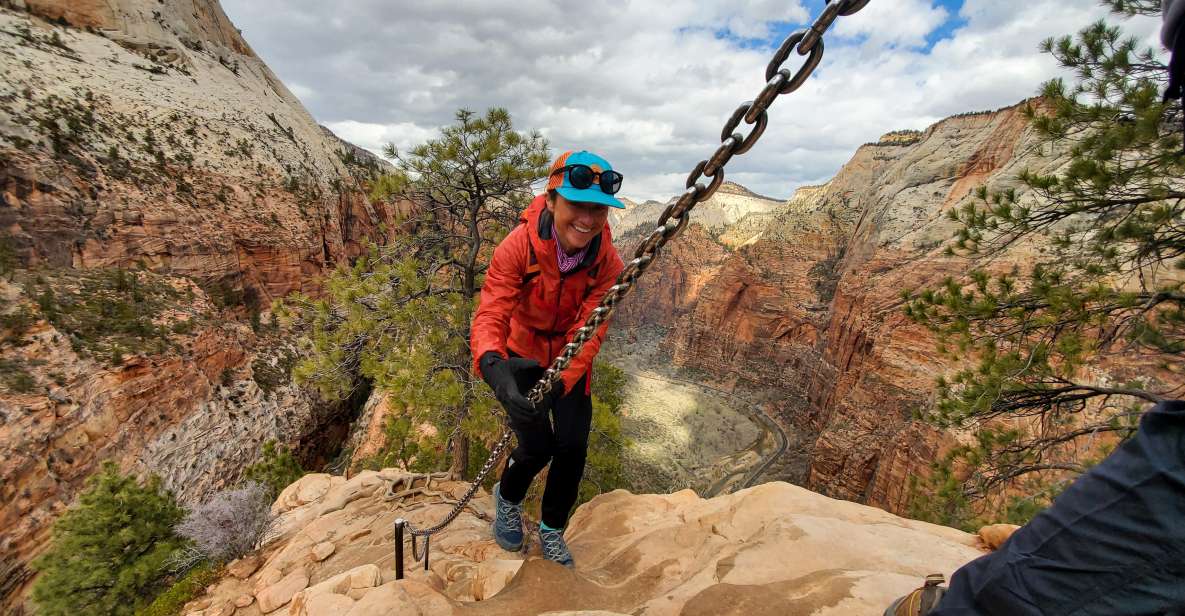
point(675, 217)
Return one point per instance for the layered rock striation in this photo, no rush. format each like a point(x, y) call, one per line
point(146, 136)
point(139, 132)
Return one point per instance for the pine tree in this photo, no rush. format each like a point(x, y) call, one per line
point(1067, 353)
point(471, 184)
point(109, 551)
point(399, 318)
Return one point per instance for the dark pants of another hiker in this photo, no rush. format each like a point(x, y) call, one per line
point(561, 439)
point(1112, 543)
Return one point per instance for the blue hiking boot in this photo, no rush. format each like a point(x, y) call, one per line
point(554, 548)
point(508, 523)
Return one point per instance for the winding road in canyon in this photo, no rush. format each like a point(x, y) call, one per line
point(749, 472)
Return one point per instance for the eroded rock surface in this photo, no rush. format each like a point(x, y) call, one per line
point(147, 135)
point(802, 305)
point(771, 549)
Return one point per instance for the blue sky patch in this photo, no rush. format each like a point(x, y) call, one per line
point(953, 22)
point(779, 30)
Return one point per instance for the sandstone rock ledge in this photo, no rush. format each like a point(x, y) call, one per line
point(770, 549)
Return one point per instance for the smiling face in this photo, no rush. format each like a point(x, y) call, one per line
point(576, 222)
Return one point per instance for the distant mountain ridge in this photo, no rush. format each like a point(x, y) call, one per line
point(731, 203)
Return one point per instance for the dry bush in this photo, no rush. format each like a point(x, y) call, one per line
point(228, 525)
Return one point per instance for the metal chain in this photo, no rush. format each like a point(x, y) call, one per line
point(780, 81)
point(402, 525)
point(675, 217)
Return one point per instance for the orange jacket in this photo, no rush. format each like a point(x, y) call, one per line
point(528, 307)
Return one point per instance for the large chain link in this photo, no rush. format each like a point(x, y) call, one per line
point(675, 217)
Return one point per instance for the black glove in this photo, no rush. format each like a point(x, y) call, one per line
point(555, 393)
point(527, 375)
point(500, 373)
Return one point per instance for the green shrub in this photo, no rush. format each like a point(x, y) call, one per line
point(184, 590)
point(277, 468)
point(608, 385)
point(109, 551)
point(15, 377)
point(107, 314)
point(225, 293)
point(271, 376)
point(8, 257)
point(606, 442)
point(17, 322)
point(404, 447)
point(825, 274)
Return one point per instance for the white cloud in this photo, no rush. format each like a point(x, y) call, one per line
point(752, 18)
point(649, 83)
point(896, 22)
point(375, 136)
point(301, 91)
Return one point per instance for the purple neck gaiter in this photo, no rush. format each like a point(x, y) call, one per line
point(566, 263)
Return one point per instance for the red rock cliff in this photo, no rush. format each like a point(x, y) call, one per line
point(147, 135)
point(807, 308)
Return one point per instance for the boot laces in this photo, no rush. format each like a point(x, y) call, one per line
point(510, 514)
point(554, 547)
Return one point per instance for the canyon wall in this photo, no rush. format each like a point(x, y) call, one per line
point(803, 303)
point(159, 187)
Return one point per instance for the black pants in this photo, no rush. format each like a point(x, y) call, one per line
point(559, 437)
point(1112, 543)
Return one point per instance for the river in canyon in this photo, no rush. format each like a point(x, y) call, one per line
point(685, 433)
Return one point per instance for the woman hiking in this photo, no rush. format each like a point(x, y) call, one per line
point(545, 278)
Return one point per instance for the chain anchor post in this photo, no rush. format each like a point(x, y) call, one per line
point(400, 525)
point(427, 539)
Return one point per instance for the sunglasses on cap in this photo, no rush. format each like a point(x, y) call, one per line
point(582, 176)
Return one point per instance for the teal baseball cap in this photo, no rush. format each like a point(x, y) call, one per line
point(560, 179)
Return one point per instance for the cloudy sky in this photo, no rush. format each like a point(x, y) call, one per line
point(649, 83)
